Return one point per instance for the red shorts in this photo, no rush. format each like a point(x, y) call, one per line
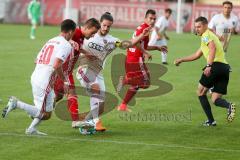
point(137, 73)
point(59, 85)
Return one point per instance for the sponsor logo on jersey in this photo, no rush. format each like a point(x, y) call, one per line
point(95, 46)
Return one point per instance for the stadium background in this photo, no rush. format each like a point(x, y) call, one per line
point(127, 13)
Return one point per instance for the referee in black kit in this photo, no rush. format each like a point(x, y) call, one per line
point(215, 73)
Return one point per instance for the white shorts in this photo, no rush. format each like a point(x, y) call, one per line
point(87, 78)
point(155, 42)
point(43, 100)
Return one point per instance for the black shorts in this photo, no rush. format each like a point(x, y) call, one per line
point(218, 78)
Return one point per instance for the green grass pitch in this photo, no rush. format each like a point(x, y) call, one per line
point(126, 138)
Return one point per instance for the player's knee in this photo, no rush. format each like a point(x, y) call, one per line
point(214, 97)
point(46, 115)
point(200, 93)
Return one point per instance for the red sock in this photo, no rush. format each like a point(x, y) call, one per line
point(129, 95)
point(73, 107)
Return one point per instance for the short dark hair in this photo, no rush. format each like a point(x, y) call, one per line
point(227, 2)
point(150, 11)
point(168, 10)
point(68, 25)
point(106, 16)
point(92, 22)
point(203, 20)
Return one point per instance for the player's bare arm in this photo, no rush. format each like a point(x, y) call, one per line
point(75, 45)
point(192, 57)
point(137, 39)
point(146, 54)
point(160, 36)
point(162, 48)
point(58, 68)
point(133, 42)
point(212, 51)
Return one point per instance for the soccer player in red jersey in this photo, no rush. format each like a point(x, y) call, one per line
point(90, 27)
point(137, 74)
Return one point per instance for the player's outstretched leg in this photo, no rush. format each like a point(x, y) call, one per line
point(129, 95)
point(220, 102)
point(11, 105)
point(33, 111)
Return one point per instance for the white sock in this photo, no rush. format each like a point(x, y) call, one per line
point(94, 104)
point(34, 123)
point(30, 109)
point(164, 57)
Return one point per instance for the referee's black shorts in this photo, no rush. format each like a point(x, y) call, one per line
point(218, 78)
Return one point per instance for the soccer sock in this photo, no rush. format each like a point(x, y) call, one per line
point(129, 95)
point(164, 57)
point(31, 110)
point(206, 107)
point(73, 107)
point(35, 122)
point(94, 104)
point(222, 103)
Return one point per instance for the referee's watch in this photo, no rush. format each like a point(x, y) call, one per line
point(208, 65)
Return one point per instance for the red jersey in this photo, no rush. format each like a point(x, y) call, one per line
point(134, 53)
point(68, 66)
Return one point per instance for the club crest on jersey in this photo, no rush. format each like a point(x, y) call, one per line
point(205, 39)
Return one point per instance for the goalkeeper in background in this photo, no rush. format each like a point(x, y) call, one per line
point(34, 14)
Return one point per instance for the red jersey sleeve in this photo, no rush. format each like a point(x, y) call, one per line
point(78, 37)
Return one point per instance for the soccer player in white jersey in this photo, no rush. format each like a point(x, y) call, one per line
point(48, 65)
point(224, 24)
point(89, 73)
point(159, 36)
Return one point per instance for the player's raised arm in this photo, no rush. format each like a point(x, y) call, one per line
point(137, 39)
point(134, 41)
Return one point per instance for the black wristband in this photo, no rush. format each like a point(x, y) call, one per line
point(208, 65)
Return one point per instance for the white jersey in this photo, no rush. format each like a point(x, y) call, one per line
point(57, 47)
point(223, 26)
point(100, 46)
point(162, 23)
